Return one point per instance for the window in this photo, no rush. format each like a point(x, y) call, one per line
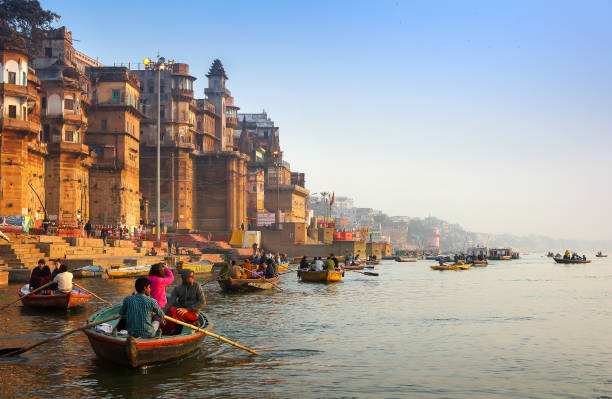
point(43, 103)
point(183, 116)
point(69, 103)
point(48, 52)
point(12, 111)
point(69, 136)
point(103, 124)
point(12, 78)
point(162, 112)
point(265, 133)
point(24, 77)
point(116, 96)
point(254, 189)
point(24, 113)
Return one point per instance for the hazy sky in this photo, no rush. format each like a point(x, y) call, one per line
point(493, 115)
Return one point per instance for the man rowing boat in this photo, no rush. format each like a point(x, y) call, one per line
point(190, 299)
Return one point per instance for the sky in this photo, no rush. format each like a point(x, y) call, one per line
point(493, 115)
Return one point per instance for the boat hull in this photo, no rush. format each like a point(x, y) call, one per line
point(405, 259)
point(479, 263)
point(326, 276)
point(601, 256)
point(283, 267)
point(355, 267)
point(130, 272)
point(245, 284)
point(141, 352)
point(505, 257)
point(570, 261)
point(452, 267)
point(56, 301)
point(372, 262)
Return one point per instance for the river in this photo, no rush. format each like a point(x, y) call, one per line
point(527, 328)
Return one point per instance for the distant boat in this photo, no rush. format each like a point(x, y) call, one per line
point(600, 255)
point(452, 267)
point(561, 260)
point(405, 259)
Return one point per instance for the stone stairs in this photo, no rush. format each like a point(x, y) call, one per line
point(20, 256)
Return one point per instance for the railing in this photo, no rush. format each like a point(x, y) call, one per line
point(18, 124)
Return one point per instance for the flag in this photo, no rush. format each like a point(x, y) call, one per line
point(333, 199)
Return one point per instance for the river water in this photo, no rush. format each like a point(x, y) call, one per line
point(517, 329)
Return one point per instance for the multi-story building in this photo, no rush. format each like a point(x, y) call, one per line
point(22, 165)
point(198, 161)
point(114, 135)
point(64, 104)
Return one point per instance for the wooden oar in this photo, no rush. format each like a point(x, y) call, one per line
point(366, 273)
point(211, 334)
point(92, 294)
point(17, 351)
point(28, 294)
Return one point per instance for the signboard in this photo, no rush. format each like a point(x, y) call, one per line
point(268, 218)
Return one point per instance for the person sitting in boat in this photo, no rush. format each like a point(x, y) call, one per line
point(304, 263)
point(583, 257)
point(335, 260)
point(56, 270)
point(189, 297)
point(329, 263)
point(567, 254)
point(160, 276)
point(357, 260)
point(138, 309)
point(318, 266)
point(271, 270)
point(40, 275)
point(63, 280)
point(235, 270)
point(260, 272)
point(460, 262)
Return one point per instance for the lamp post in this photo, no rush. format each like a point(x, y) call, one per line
point(158, 66)
point(278, 211)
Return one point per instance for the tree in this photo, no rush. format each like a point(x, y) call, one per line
point(22, 23)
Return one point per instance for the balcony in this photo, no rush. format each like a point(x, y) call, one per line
point(75, 148)
point(232, 122)
point(7, 89)
point(19, 125)
point(183, 93)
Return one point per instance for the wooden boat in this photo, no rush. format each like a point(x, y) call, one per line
point(405, 259)
point(452, 267)
point(561, 260)
point(283, 266)
point(140, 352)
point(88, 271)
point(354, 267)
point(202, 266)
point(326, 276)
point(131, 271)
point(77, 297)
point(246, 284)
point(600, 255)
point(372, 262)
point(479, 263)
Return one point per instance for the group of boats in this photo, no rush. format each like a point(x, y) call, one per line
point(108, 337)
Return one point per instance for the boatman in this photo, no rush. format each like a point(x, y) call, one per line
point(190, 299)
point(40, 275)
point(138, 311)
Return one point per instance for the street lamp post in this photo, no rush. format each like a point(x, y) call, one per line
point(278, 211)
point(158, 66)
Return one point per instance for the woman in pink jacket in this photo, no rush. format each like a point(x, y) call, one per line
point(160, 277)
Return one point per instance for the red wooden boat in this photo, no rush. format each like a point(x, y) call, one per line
point(141, 352)
point(77, 297)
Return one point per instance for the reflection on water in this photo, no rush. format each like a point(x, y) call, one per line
point(513, 329)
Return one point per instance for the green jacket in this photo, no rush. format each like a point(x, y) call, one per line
point(330, 264)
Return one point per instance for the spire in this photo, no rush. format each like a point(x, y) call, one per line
point(216, 69)
point(244, 144)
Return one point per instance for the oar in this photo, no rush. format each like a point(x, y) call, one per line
point(366, 273)
point(17, 351)
point(92, 294)
point(28, 294)
point(211, 334)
